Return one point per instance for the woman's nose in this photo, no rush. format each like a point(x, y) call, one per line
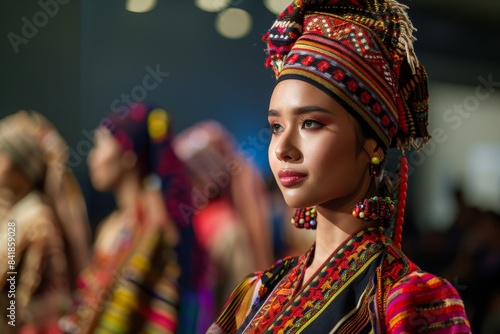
point(286, 148)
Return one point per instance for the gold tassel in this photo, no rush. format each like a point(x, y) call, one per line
point(406, 37)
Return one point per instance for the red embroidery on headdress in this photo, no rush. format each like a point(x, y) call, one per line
point(352, 86)
point(292, 59)
point(392, 131)
point(365, 97)
point(308, 60)
point(323, 66)
point(386, 120)
point(338, 75)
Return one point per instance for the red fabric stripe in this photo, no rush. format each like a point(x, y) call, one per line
point(422, 301)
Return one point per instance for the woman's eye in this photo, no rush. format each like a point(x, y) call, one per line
point(310, 124)
point(276, 128)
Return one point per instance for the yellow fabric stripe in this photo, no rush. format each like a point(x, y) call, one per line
point(227, 319)
point(361, 299)
point(402, 315)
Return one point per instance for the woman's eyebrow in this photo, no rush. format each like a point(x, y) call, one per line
point(300, 111)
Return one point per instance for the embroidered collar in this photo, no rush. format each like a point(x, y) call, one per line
point(286, 304)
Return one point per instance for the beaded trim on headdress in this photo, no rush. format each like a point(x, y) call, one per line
point(360, 52)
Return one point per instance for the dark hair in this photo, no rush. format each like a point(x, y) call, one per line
point(383, 185)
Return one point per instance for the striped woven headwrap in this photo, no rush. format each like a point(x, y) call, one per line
point(360, 52)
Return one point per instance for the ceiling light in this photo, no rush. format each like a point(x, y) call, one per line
point(140, 6)
point(233, 23)
point(276, 6)
point(212, 5)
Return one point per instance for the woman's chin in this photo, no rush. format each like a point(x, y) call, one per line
point(100, 185)
point(294, 202)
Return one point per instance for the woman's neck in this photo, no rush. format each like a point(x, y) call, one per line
point(128, 191)
point(336, 223)
point(333, 229)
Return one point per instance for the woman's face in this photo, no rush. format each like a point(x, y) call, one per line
point(104, 161)
point(313, 151)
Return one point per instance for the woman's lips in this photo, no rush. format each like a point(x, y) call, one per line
point(290, 177)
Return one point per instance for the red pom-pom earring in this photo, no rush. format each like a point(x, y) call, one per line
point(305, 218)
point(374, 209)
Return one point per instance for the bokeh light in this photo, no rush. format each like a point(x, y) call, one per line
point(140, 6)
point(233, 23)
point(212, 5)
point(276, 6)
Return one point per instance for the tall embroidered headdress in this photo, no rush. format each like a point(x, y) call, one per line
point(360, 52)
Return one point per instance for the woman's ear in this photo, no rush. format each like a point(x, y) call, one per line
point(129, 160)
point(373, 149)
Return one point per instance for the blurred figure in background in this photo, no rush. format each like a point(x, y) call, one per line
point(145, 269)
point(476, 266)
point(230, 205)
point(43, 210)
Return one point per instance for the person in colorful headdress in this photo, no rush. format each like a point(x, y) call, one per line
point(349, 87)
point(231, 213)
point(44, 230)
point(144, 275)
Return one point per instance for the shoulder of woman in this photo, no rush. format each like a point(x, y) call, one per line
point(34, 217)
point(423, 302)
point(32, 205)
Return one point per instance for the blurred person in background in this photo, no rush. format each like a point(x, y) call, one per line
point(43, 212)
point(145, 270)
point(475, 265)
point(230, 206)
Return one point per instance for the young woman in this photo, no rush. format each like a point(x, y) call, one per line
point(145, 271)
point(349, 87)
point(44, 229)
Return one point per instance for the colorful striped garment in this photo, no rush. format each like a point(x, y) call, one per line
point(366, 286)
point(423, 303)
point(137, 285)
point(134, 291)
